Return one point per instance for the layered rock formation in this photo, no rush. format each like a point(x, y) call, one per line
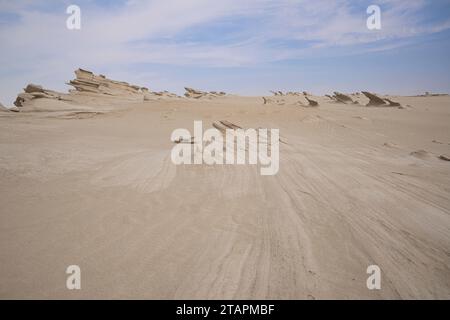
point(375, 101)
point(277, 93)
point(290, 93)
point(86, 81)
point(33, 91)
point(277, 101)
point(343, 98)
point(197, 94)
point(150, 95)
point(311, 103)
point(291, 98)
point(88, 84)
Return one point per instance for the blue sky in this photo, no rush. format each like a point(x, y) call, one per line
point(240, 46)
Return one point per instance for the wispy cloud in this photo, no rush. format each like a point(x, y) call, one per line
point(36, 46)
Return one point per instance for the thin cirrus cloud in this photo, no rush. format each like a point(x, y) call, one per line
point(37, 46)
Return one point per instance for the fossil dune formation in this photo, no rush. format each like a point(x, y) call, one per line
point(340, 97)
point(197, 94)
point(311, 103)
point(374, 100)
point(87, 179)
point(89, 89)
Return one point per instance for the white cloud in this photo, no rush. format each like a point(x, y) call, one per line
point(39, 47)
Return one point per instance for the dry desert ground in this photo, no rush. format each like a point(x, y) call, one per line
point(92, 184)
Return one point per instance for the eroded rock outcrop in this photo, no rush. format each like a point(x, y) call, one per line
point(311, 103)
point(375, 101)
point(291, 98)
point(197, 94)
point(91, 91)
point(151, 95)
point(277, 93)
point(289, 93)
point(274, 100)
point(86, 81)
point(33, 91)
point(86, 84)
point(192, 93)
point(343, 98)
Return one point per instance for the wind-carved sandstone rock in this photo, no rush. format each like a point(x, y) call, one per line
point(311, 103)
point(150, 95)
point(86, 81)
point(289, 93)
point(33, 91)
point(198, 94)
point(375, 101)
point(343, 98)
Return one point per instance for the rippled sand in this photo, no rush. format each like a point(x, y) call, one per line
point(357, 186)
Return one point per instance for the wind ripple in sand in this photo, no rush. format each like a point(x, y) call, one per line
point(422, 154)
point(147, 171)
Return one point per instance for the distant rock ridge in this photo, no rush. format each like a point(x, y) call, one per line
point(197, 94)
point(277, 93)
point(291, 99)
point(290, 93)
point(91, 90)
point(428, 94)
point(343, 98)
point(150, 95)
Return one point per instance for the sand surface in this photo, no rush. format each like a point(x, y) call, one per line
point(357, 186)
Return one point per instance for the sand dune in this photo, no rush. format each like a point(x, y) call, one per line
point(88, 180)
